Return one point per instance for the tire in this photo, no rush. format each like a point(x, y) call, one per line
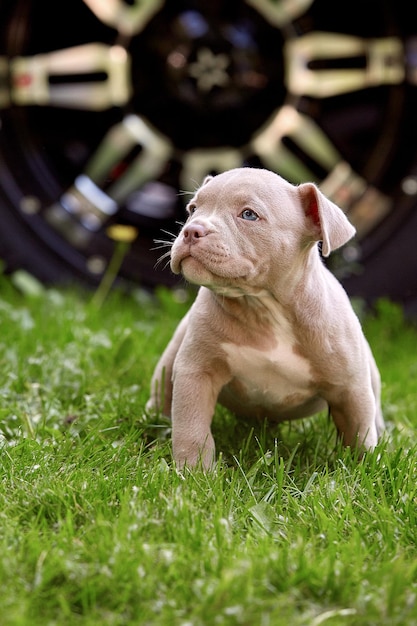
point(115, 109)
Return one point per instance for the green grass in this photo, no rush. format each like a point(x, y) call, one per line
point(98, 528)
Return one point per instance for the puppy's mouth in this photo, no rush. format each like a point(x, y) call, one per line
point(208, 267)
point(192, 265)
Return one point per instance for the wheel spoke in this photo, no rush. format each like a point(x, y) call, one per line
point(366, 205)
point(109, 177)
point(4, 90)
point(92, 77)
point(323, 64)
point(282, 12)
point(116, 163)
point(80, 211)
point(288, 123)
point(128, 19)
point(198, 163)
point(411, 59)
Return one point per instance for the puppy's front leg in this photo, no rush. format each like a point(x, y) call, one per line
point(193, 404)
point(161, 385)
point(356, 418)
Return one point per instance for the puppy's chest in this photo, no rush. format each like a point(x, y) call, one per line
point(276, 372)
point(271, 367)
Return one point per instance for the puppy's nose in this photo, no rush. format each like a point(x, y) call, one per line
point(193, 232)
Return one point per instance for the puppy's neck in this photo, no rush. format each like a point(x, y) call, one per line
point(282, 296)
point(258, 310)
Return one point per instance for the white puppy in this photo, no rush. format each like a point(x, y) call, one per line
point(272, 332)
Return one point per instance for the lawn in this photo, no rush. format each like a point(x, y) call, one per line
point(97, 527)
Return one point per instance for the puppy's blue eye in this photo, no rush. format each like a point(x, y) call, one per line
point(250, 215)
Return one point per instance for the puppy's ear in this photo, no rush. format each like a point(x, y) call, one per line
point(329, 223)
point(207, 180)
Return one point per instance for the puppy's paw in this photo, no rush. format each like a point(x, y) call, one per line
point(152, 407)
point(189, 453)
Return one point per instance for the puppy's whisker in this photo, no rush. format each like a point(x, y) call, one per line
point(167, 256)
point(164, 242)
point(168, 242)
point(197, 185)
point(164, 245)
point(167, 232)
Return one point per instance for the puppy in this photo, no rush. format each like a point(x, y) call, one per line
point(271, 333)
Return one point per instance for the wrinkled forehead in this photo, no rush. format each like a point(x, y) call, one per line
point(244, 186)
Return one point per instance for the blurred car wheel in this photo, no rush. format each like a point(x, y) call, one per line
point(111, 111)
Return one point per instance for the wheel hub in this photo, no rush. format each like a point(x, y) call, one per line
point(208, 79)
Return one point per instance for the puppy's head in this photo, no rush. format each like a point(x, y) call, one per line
point(246, 225)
